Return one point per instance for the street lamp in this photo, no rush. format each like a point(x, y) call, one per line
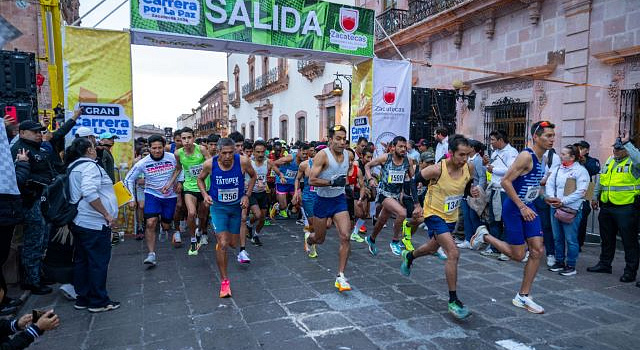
point(458, 86)
point(337, 91)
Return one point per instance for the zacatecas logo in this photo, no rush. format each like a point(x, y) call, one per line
point(349, 21)
point(389, 94)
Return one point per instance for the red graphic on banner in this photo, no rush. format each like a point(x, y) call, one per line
point(389, 94)
point(349, 19)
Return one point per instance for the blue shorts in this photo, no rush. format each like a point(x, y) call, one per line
point(326, 207)
point(307, 206)
point(284, 188)
point(154, 206)
point(438, 226)
point(226, 217)
point(516, 229)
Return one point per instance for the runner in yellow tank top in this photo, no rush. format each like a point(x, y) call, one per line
point(447, 181)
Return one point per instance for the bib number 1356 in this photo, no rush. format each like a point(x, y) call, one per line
point(227, 195)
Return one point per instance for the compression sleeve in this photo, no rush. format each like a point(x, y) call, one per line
point(414, 189)
point(418, 180)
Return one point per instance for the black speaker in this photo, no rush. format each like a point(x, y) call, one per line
point(17, 74)
point(23, 109)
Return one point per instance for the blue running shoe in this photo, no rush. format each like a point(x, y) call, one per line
point(458, 310)
point(405, 268)
point(396, 249)
point(372, 246)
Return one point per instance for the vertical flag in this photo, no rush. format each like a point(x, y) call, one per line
point(361, 91)
point(391, 101)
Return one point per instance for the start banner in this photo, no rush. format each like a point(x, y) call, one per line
point(298, 29)
point(391, 101)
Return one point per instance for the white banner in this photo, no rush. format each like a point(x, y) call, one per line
point(391, 101)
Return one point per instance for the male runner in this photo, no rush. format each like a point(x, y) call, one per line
point(212, 144)
point(159, 196)
point(396, 166)
point(329, 175)
point(447, 181)
point(306, 197)
point(362, 205)
point(189, 159)
point(259, 202)
point(286, 169)
point(179, 223)
point(521, 221)
point(226, 197)
point(243, 255)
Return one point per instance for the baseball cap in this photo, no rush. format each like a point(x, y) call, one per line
point(31, 125)
point(423, 142)
point(427, 157)
point(108, 135)
point(83, 131)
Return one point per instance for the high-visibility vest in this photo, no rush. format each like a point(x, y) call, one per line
point(618, 185)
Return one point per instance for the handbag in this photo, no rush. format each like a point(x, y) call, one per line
point(565, 215)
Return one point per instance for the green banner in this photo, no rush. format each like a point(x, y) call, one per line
point(309, 27)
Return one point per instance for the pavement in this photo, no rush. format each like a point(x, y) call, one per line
point(284, 300)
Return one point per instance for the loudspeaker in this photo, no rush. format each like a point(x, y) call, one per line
point(21, 109)
point(17, 74)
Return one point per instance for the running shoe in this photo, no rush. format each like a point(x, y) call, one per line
point(396, 249)
point(204, 240)
point(115, 240)
point(300, 222)
point(176, 240)
point(151, 259)
point(112, 305)
point(243, 257)
point(255, 240)
point(273, 211)
point(440, 254)
point(568, 271)
point(527, 303)
point(68, 291)
point(356, 237)
point(503, 257)
point(405, 268)
point(310, 249)
point(249, 231)
point(267, 222)
point(342, 284)
point(551, 260)
point(193, 248)
point(372, 246)
point(162, 237)
point(478, 238)
point(140, 234)
point(458, 310)
point(225, 289)
point(526, 257)
point(282, 215)
point(464, 245)
point(557, 267)
point(488, 252)
point(406, 236)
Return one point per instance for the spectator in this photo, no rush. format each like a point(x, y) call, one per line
point(360, 146)
point(593, 167)
point(551, 162)
point(442, 138)
point(423, 145)
point(20, 333)
point(564, 191)
point(411, 151)
point(108, 163)
point(92, 189)
point(83, 131)
point(471, 218)
point(35, 228)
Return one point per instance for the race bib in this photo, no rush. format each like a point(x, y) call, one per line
point(312, 188)
point(452, 203)
point(227, 195)
point(532, 194)
point(195, 170)
point(395, 177)
point(290, 174)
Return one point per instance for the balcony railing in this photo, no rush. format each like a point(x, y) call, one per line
point(394, 20)
point(262, 81)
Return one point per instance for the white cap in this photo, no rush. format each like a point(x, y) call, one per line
point(259, 139)
point(83, 131)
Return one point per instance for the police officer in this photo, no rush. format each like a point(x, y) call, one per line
point(617, 195)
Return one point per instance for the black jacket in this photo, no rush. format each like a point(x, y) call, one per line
point(21, 340)
point(57, 142)
point(592, 165)
point(43, 169)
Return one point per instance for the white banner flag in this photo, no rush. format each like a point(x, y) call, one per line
point(391, 101)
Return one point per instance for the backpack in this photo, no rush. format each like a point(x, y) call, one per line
point(55, 202)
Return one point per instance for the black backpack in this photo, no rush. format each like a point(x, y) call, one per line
point(55, 202)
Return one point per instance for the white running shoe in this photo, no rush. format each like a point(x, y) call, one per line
point(177, 239)
point(204, 240)
point(441, 254)
point(342, 284)
point(503, 257)
point(243, 257)
point(478, 238)
point(68, 291)
point(151, 259)
point(527, 303)
point(526, 257)
point(551, 260)
point(464, 245)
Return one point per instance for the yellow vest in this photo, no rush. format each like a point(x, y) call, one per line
point(618, 185)
point(445, 195)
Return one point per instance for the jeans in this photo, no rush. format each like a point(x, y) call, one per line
point(471, 220)
point(582, 229)
point(91, 262)
point(36, 236)
point(566, 233)
point(495, 227)
point(542, 208)
point(623, 220)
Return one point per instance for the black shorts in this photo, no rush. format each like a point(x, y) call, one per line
point(198, 195)
point(350, 201)
point(260, 199)
point(407, 202)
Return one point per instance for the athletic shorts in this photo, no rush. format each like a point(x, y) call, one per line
point(326, 207)
point(438, 226)
point(284, 188)
point(140, 193)
point(260, 199)
point(198, 195)
point(516, 229)
point(154, 206)
point(381, 197)
point(226, 217)
point(350, 202)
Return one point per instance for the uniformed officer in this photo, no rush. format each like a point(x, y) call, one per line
point(617, 194)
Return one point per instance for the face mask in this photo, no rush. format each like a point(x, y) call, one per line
point(567, 163)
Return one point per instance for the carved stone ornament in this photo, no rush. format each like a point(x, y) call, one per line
point(490, 24)
point(457, 36)
point(427, 49)
point(534, 12)
point(506, 101)
point(508, 86)
point(614, 87)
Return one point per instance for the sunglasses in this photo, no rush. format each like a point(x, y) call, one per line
point(543, 124)
point(339, 128)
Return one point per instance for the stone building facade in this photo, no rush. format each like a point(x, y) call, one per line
point(536, 46)
point(212, 115)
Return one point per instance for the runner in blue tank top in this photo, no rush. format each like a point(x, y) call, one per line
point(227, 198)
point(306, 197)
point(286, 169)
point(521, 221)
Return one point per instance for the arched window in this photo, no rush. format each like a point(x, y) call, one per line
point(301, 126)
point(284, 125)
point(252, 131)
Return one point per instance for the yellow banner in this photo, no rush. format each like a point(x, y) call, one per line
point(98, 77)
point(361, 95)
